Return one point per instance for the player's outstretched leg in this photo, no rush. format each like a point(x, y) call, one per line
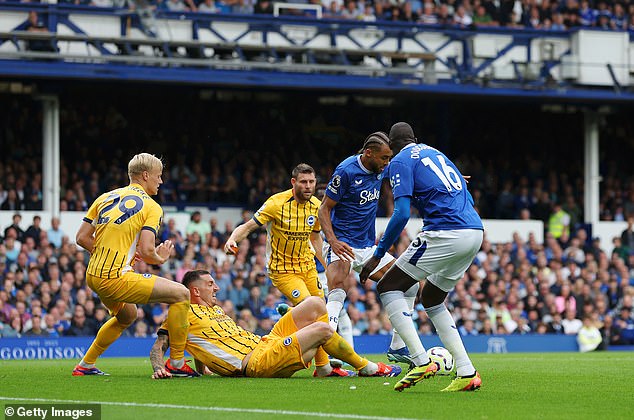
point(311, 319)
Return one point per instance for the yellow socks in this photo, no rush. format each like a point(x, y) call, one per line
point(177, 326)
point(337, 347)
point(106, 335)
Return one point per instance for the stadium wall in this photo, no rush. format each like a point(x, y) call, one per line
point(76, 347)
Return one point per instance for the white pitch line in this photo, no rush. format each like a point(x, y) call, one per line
point(200, 408)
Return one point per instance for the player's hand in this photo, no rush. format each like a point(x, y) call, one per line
point(231, 247)
point(165, 249)
point(162, 373)
point(368, 268)
point(137, 258)
point(466, 178)
point(342, 250)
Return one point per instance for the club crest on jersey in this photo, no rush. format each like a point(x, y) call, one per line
point(295, 293)
point(218, 311)
point(288, 341)
point(310, 220)
point(147, 275)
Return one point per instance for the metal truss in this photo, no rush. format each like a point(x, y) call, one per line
point(323, 52)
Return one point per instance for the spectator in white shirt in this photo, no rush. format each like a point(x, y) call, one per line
point(571, 324)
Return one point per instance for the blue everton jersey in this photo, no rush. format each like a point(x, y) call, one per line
point(436, 187)
point(356, 191)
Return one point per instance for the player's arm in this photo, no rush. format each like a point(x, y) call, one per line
point(395, 226)
point(156, 357)
point(318, 244)
point(238, 235)
point(146, 247)
point(86, 236)
point(341, 249)
point(150, 253)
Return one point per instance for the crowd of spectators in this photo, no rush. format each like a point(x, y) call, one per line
point(212, 156)
point(518, 287)
point(531, 14)
point(202, 166)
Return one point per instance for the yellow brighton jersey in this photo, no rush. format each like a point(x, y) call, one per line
point(289, 225)
point(216, 339)
point(119, 216)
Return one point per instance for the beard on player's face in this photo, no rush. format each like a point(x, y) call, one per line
point(303, 192)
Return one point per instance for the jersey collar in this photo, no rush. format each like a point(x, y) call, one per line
point(137, 185)
point(366, 170)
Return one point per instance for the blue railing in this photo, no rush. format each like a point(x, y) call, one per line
point(293, 51)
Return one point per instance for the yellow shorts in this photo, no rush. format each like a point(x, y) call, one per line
point(129, 288)
point(279, 354)
point(298, 286)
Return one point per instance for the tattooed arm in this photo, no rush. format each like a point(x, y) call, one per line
point(156, 357)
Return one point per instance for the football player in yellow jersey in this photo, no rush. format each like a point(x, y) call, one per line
point(120, 226)
point(292, 236)
point(221, 346)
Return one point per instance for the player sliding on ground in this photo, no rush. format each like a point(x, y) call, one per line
point(224, 348)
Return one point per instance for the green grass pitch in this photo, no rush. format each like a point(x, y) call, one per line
point(515, 386)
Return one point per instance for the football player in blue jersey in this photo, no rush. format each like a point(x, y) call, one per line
point(347, 216)
point(441, 253)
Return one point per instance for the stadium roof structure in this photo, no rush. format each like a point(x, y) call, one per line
point(287, 52)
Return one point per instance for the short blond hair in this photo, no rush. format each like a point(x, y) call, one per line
point(143, 162)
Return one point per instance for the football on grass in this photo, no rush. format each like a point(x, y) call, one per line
point(442, 358)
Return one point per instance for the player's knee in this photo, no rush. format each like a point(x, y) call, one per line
point(315, 304)
point(337, 283)
point(383, 287)
point(429, 301)
point(183, 294)
point(127, 315)
point(324, 331)
point(432, 295)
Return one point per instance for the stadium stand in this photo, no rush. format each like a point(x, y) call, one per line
point(523, 189)
point(515, 287)
point(470, 14)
